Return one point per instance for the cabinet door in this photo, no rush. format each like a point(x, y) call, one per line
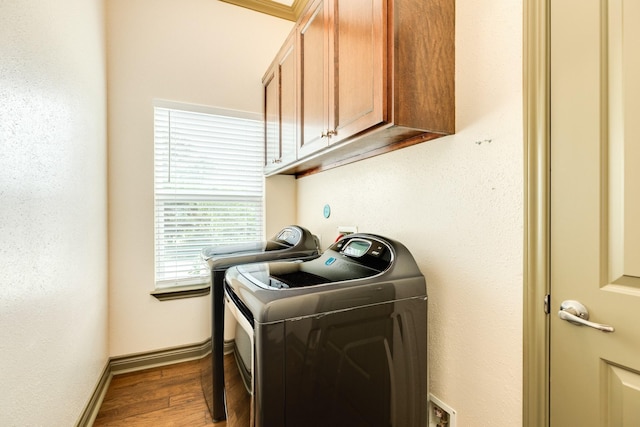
point(271, 119)
point(288, 103)
point(358, 49)
point(280, 110)
point(312, 47)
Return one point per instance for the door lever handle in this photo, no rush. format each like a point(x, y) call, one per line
point(576, 313)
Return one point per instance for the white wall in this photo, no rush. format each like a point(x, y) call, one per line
point(280, 203)
point(53, 209)
point(194, 51)
point(457, 203)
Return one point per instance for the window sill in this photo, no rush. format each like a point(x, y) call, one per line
point(180, 292)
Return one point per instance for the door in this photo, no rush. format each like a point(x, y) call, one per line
point(358, 49)
point(342, 48)
point(313, 48)
point(280, 106)
point(273, 149)
point(595, 211)
point(288, 102)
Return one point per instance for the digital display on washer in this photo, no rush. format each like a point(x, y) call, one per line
point(356, 248)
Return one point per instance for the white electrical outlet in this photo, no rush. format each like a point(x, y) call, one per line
point(440, 414)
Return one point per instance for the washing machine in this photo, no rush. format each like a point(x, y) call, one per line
point(290, 243)
point(340, 340)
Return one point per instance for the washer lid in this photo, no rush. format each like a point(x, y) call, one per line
point(292, 242)
point(349, 259)
point(345, 276)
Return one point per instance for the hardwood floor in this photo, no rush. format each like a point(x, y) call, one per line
point(164, 396)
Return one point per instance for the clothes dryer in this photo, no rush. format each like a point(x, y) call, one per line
point(292, 242)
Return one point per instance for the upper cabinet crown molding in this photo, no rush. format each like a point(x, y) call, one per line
point(273, 8)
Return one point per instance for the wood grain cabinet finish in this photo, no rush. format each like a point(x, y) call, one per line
point(312, 42)
point(373, 76)
point(280, 108)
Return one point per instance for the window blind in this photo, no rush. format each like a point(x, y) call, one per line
point(208, 188)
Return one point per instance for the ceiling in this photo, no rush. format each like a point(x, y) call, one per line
point(285, 9)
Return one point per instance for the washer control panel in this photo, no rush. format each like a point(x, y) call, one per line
point(366, 251)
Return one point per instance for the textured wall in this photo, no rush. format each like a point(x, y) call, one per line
point(53, 241)
point(194, 51)
point(457, 204)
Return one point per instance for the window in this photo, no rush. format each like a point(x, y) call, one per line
point(208, 186)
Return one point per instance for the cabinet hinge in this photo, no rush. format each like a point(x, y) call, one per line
point(547, 304)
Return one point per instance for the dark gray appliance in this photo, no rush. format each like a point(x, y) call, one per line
point(340, 340)
point(292, 242)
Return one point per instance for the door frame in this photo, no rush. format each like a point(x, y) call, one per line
point(536, 94)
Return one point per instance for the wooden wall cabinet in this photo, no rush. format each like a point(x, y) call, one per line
point(372, 76)
point(281, 108)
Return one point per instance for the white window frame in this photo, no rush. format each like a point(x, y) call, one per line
point(168, 192)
